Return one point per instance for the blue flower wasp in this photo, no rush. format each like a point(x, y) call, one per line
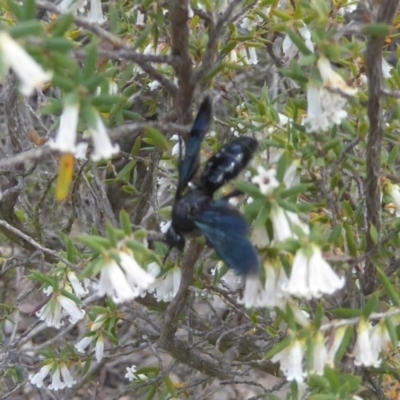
point(194, 209)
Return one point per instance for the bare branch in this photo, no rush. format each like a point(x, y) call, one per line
point(386, 13)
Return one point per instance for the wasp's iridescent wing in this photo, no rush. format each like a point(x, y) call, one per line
point(227, 232)
point(190, 163)
point(227, 163)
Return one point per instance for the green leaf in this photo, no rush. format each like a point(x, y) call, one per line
point(281, 14)
point(111, 234)
point(59, 44)
point(331, 144)
point(347, 338)
point(106, 100)
point(146, 33)
point(125, 222)
point(91, 61)
point(295, 191)
point(39, 277)
point(391, 291)
point(370, 306)
point(393, 155)
point(377, 30)
point(16, 9)
point(71, 296)
point(62, 24)
point(151, 393)
point(299, 42)
point(170, 386)
point(336, 234)
point(86, 366)
point(374, 234)
point(95, 243)
point(70, 251)
point(248, 188)
point(29, 9)
point(281, 167)
point(351, 241)
point(155, 137)
point(27, 28)
point(391, 331)
point(345, 313)
point(279, 347)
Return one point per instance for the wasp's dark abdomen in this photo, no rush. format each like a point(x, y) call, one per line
point(227, 163)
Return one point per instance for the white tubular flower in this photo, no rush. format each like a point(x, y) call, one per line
point(71, 6)
point(394, 193)
point(103, 148)
point(320, 355)
point(164, 226)
point(380, 339)
point(125, 280)
point(266, 180)
point(51, 314)
point(78, 288)
point(69, 381)
point(99, 348)
point(98, 322)
point(325, 105)
point(290, 49)
point(66, 134)
point(334, 346)
point(131, 374)
point(72, 309)
point(153, 85)
point(291, 361)
point(83, 344)
point(365, 353)
point(259, 237)
point(269, 294)
point(386, 68)
point(316, 119)
point(285, 224)
point(332, 80)
point(311, 275)
point(40, 376)
point(81, 147)
point(96, 12)
point(253, 59)
point(291, 177)
point(140, 19)
point(56, 383)
point(29, 72)
point(166, 286)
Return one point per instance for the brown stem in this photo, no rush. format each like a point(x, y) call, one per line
point(373, 60)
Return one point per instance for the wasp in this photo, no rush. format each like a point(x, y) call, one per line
point(195, 209)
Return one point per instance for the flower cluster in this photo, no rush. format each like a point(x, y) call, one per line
point(165, 286)
point(371, 341)
point(52, 311)
point(131, 374)
point(66, 137)
point(325, 104)
point(95, 14)
point(94, 335)
point(290, 50)
point(58, 370)
point(291, 357)
point(29, 72)
point(311, 276)
point(121, 277)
